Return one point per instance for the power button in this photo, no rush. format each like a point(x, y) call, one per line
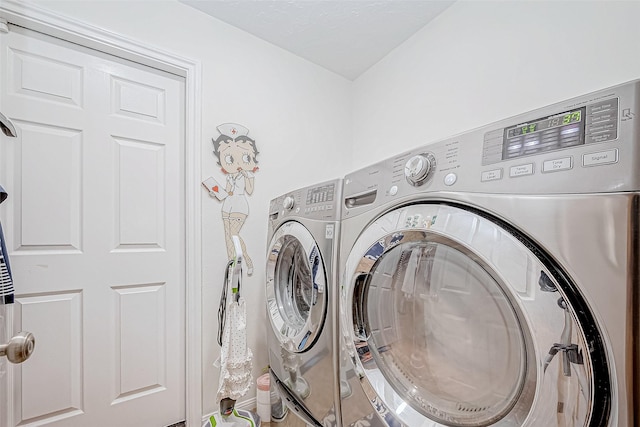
point(450, 178)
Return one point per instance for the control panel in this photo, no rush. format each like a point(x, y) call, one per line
point(587, 144)
point(320, 202)
point(593, 123)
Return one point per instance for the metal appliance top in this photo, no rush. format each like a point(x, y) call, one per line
point(588, 144)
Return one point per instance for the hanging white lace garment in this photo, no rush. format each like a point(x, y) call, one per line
point(235, 356)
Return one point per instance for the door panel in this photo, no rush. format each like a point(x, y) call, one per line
point(96, 243)
point(55, 319)
point(35, 194)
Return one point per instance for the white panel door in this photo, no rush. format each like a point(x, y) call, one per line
point(95, 226)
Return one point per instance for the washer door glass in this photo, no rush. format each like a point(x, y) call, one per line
point(453, 319)
point(445, 332)
point(296, 287)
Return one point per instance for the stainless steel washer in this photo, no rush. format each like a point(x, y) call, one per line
point(492, 278)
point(301, 275)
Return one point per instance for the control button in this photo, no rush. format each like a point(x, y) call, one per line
point(393, 190)
point(450, 178)
point(609, 115)
point(288, 203)
point(600, 158)
point(601, 127)
point(609, 104)
point(601, 137)
point(521, 170)
point(557, 165)
point(491, 175)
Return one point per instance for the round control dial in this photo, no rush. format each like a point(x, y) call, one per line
point(288, 203)
point(419, 168)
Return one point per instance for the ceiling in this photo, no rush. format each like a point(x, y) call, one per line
point(343, 36)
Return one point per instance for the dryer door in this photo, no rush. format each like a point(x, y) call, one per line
point(296, 287)
point(453, 320)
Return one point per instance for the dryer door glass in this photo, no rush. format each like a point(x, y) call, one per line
point(456, 322)
point(296, 291)
point(445, 333)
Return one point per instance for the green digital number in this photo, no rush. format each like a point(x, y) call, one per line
point(528, 129)
point(566, 119)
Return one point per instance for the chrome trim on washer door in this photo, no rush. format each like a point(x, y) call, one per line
point(453, 321)
point(296, 287)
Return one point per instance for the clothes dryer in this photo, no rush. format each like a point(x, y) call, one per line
point(492, 278)
point(301, 277)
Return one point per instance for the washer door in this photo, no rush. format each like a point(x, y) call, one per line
point(454, 321)
point(296, 287)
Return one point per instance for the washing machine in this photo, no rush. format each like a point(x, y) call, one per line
point(491, 278)
point(301, 296)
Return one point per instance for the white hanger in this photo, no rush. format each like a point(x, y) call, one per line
point(236, 275)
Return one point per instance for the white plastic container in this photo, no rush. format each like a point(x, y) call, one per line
point(263, 398)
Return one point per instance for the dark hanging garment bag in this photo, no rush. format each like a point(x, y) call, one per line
point(6, 281)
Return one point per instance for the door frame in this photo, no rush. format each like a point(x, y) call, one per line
point(43, 21)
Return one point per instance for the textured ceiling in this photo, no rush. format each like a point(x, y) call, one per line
point(344, 36)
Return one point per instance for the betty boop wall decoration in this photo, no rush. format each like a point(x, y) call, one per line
point(236, 153)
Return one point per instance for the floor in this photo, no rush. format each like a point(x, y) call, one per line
point(360, 411)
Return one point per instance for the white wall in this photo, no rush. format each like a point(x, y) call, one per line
point(482, 61)
point(290, 106)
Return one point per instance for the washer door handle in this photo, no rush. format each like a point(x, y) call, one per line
point(359, 307)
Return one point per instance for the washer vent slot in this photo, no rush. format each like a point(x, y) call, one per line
point(463, 407)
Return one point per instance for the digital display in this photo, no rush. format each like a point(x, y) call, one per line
point(550, 133)
point(552, 129)
point(320, 194)
point(548, 123)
